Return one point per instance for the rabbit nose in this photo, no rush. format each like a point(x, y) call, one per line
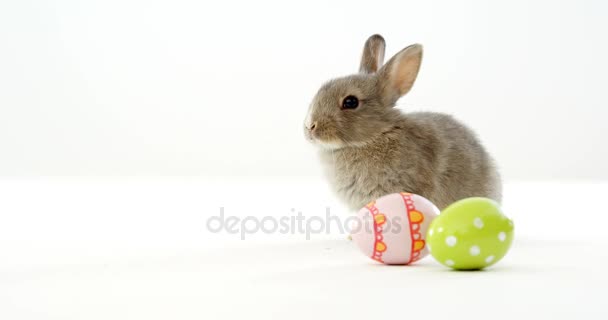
point(312, 126)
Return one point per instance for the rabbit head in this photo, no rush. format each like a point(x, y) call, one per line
point(353, 110)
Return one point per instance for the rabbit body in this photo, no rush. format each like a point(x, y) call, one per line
point(429, 154)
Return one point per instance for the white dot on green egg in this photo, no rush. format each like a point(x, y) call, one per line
point(451, 241)
point(478, 223)
point(431, 232)
point(489, 259)
point(502, 236)
point(449, 262)
point(474, 250)
point(440, 229)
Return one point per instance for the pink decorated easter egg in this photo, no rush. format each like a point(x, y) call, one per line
point(392, 229)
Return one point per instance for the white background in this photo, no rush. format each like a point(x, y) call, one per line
point(222, 87)
point(138, 249)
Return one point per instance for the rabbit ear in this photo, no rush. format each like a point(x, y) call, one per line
point(400, 72)
point(373, 54)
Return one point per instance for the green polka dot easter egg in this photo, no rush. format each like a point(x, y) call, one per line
point(470, 234)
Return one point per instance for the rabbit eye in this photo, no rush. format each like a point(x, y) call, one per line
point(350, 102)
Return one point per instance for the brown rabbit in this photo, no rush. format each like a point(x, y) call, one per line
point(370, 149)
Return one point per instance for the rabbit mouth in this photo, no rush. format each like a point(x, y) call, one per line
point(321, 142)
point(328, 145)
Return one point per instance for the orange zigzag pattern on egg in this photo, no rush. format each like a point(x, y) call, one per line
point(416, 218)
point(379, 220)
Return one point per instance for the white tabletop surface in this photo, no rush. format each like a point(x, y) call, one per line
point(126, 248)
